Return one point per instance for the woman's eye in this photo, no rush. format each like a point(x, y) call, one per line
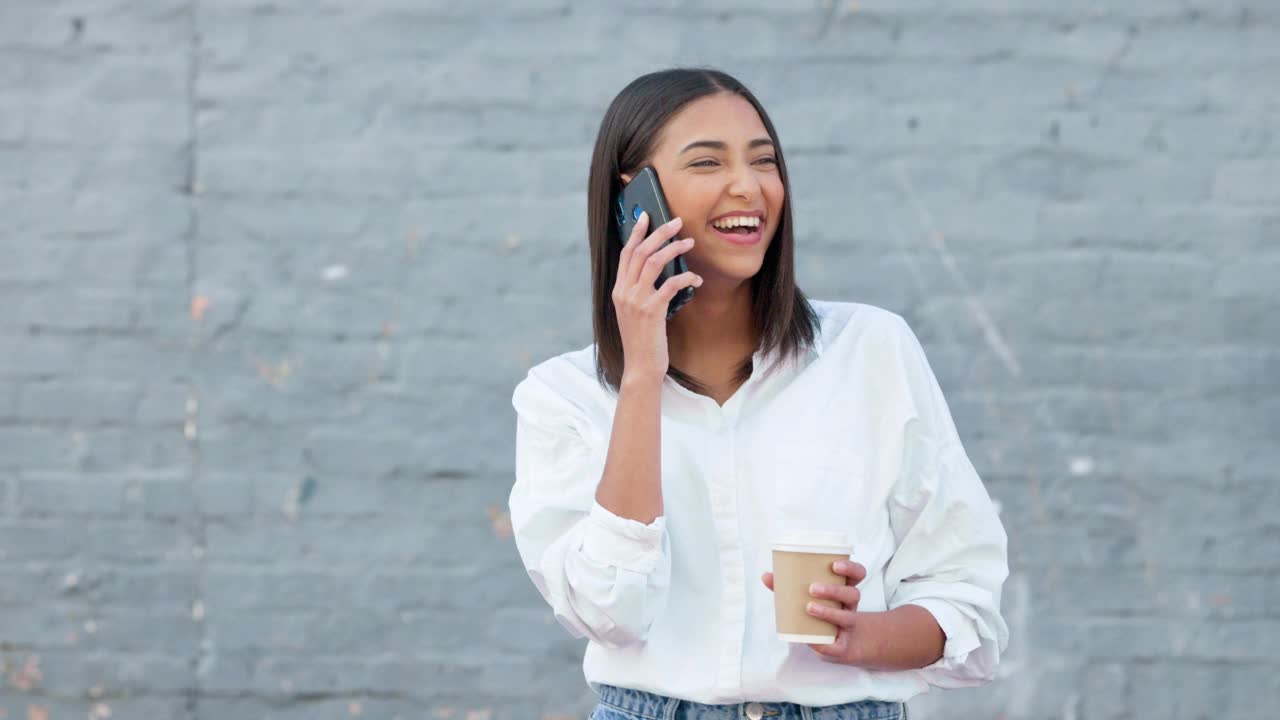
point(711, 163)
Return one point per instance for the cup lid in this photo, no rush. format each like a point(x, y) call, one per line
point(813, 541)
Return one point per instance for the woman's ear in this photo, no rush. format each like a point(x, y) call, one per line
point(626, 179)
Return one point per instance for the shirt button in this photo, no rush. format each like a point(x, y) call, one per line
point(755, 711)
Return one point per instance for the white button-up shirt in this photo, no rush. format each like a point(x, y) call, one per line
point(855, 438)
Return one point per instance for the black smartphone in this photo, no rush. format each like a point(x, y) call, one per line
point(644, 194)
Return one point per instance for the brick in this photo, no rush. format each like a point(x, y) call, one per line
point(38, 447)
point(103, 215)
point(407, 590)
point(237, 31)
point(32, 628)
point(75, 310)
point(1172, 227)
point(39, 540)
point(221, 496)
point(162, 402)
point(138, 542)
point(76, 672)
point(997, 36)
point(168, 588)
point(121, 26)
point(83, 403)
point(59, 707)
point(72, 121)
point(1241, 278)
point(249, 449)
point(106, 447)
point(64, 170)
point(1105, 691)
point(165, 357)
point(162, 630)
point(51, 496)
point(1108, 591)
point(39, 356)
point(235, 588)
point(1070, 176)
point(1248, 182)
point(322, 708)
point(309, 542)
point(1202, 685)
point(262, 630)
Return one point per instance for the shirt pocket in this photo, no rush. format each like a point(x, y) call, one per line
point(813, 488)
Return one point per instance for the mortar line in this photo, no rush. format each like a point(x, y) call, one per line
point(191, 424)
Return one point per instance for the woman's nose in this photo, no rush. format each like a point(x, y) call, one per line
point(744, 183)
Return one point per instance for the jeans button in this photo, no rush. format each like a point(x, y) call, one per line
point(755, 711)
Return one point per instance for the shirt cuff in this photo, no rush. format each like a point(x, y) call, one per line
point(961, 635)
point(623, 542)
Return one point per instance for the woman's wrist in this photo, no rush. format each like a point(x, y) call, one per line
point(905, 638)
point(643, 382)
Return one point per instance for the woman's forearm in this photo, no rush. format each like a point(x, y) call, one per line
point(905, 638)
point(632, 482)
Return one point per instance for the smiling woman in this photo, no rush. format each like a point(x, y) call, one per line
point(720, 164)
point(655, 468)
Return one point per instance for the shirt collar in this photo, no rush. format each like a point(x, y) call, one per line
point(759, 359)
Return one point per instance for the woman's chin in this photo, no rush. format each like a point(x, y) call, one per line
point(730, 273)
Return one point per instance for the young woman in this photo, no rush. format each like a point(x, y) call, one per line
point(654, 467)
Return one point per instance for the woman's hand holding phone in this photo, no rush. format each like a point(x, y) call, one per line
point(642, 308)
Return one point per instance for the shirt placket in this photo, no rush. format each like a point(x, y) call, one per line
point(724, 504)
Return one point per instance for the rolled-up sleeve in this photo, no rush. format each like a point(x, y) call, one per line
point(605, 577)
point(951, 556)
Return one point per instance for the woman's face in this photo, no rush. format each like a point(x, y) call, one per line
point(715, 161)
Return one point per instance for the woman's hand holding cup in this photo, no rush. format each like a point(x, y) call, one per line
point(845, 617)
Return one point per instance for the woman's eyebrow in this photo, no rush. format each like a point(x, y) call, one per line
point(719, 145)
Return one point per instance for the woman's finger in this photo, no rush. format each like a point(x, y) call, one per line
point(768, 580)
point(835, 651)
point(649, 246)
point(630, 244)
point(837, 616)
point(856, 572)
point(658, 260)
point(673, 285)
point(849, 595)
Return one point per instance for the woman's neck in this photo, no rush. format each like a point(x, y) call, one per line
point(713, 334)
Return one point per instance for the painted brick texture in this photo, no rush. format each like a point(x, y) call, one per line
point(271, 271)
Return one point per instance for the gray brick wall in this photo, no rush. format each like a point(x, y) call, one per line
point(271, 271)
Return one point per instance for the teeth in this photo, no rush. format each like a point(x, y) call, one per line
point(737, 221)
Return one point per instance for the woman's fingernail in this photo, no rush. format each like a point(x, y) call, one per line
point(815, 589)
point(841, 566)
point(812, 607)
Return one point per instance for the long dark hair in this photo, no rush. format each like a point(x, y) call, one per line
point(628, 133)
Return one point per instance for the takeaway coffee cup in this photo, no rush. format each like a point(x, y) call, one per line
point(801, 558)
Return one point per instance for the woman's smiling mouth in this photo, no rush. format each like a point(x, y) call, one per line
point(739, 229)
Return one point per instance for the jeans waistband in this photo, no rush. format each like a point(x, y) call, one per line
point(651, 706)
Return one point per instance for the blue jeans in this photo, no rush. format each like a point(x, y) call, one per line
point(626, 704)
